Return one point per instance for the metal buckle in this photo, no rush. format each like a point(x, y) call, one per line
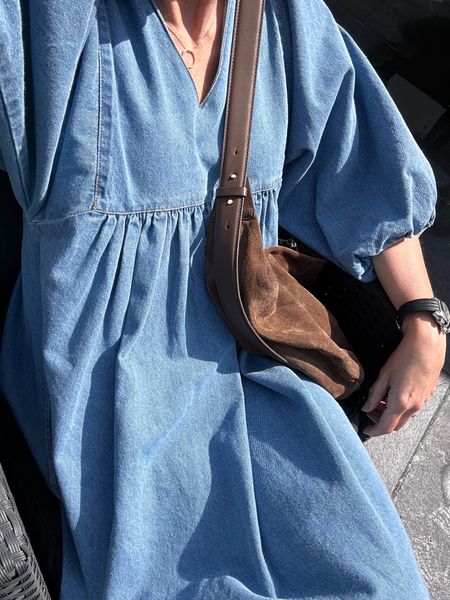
point(442, 316)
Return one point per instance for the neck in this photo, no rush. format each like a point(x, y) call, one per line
point(192, 15)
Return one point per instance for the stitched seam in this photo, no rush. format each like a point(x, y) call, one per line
point(233, 54)
point(100, 120)
point(271, 188)
point(151, 210)
point(233, 58)
point(57, 219)
point(258, 42)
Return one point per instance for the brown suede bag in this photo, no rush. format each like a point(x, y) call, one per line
point(262, 293)
point(293, 323)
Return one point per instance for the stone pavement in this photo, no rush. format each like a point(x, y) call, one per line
point(415, 465)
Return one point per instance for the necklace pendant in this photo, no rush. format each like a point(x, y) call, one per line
point(191, 62)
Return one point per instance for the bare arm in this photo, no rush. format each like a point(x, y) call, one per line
point(411, 373)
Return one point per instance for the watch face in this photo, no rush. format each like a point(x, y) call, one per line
point(442, 316)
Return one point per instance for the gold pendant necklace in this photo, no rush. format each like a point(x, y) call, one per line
point(190, 51)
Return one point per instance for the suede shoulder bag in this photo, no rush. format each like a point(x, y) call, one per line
point(274, 300)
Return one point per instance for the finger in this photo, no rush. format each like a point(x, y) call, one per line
point(375, 415)
point(377, 393)
point(404, 420)
point(387, 423)
point(407, 416)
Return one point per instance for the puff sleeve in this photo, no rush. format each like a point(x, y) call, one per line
point(354, 179)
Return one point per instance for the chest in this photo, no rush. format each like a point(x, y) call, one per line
point(201, 58)
point(162, 123)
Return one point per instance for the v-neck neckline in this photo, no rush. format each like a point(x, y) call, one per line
point(179, 59)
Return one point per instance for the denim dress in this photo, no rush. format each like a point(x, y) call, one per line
point(187, 468)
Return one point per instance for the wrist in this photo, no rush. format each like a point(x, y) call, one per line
point(423, 313)
point(423, 324)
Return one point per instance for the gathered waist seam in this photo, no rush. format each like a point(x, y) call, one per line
point(272, 187)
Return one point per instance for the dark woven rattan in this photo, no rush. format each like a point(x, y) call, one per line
point(20, 576)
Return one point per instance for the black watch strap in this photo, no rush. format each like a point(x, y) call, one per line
point(435, 306)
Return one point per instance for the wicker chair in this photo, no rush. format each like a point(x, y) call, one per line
point(20, 576)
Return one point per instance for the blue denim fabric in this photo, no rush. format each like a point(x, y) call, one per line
point(187, 468)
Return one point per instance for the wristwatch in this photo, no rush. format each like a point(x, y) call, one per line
point(436, 307)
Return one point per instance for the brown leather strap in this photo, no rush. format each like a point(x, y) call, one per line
point(241, 87)
point(231, 191)
point(233, 198)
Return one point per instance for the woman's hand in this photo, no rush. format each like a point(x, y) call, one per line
point(409, 376)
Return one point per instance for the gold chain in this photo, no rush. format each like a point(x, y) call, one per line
point(190, 51)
